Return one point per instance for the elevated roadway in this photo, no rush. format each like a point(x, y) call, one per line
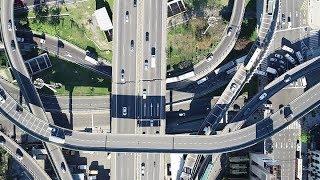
point(226, 142)
point(23, 78)
point(26, 161)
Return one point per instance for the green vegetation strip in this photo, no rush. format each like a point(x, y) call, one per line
point(75, 80)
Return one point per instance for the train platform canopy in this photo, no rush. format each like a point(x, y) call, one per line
point(103, 19)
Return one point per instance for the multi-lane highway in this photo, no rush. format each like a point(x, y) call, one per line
point(18, 153)
point(23, 78)
point(138, 80)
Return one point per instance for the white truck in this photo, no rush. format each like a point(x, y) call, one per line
point(288, 49)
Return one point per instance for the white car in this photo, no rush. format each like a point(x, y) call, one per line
point(9, 25)
point(146, 64)
point(20, 39)
point(122, 75)
point(182, 114)
point(278, 56)
point(42, 41)
point(262, 96)
point(124, 111)
point(2, 100)
point(233, 86)
point(144, 94)
point(287, 79)
point(127, 16)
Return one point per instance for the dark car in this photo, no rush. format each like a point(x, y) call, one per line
point(19, 109)
point(147, 36)
point(19, 154)
point(134, 3)
point(63, 167)
point(13, 45)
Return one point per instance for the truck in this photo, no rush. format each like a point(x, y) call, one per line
point(290, 58)
point(270, 6)
point(288, 49)
point(253, 59)
point(153, 57)
point(299, 56)
point(271, 70)
point(91, 60)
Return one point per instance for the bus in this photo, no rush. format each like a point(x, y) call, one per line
point(270, 6)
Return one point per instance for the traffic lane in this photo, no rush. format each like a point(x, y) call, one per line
point(57, 103)
point(129, 53)
point(248, 136)
point(275, 86)
point(27, 161)
point(95, 120)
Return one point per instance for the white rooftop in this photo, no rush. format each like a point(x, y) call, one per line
point(103, 19)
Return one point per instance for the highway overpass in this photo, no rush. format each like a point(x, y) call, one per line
point(166, 143)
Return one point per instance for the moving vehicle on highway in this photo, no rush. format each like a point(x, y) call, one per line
point(144, 94)
point(13, 45)
point(202, 80)
point(153, 57)
point(287, 78)
point(262, 96)
point(19, 154)
point(2, 140)
point(127, 16)
point(146, 64)
point(9, 25)
point(20, 39)
point(143, 167)
point(122, 75)
point(147, 36)
point(63, 167)
point(131, 45)
point(57, 135)
point(229, 31)
point(288, 49)
point(124, 111)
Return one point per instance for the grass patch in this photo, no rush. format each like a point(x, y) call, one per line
point(186, 42)
point(200, 4)
point(75, 80)
point(4, 156)
point(76, 27)
point(3, 59)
